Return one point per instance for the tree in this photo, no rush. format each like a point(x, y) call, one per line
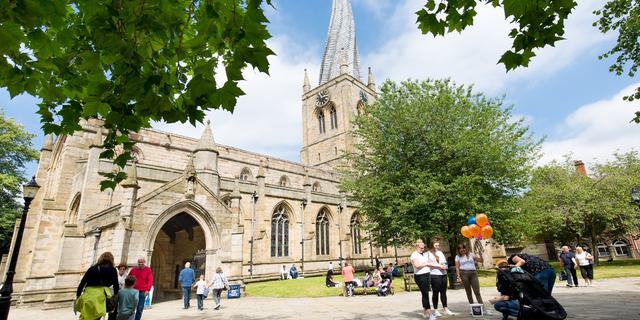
point(541, 23)
point(15, 152)
point(427, 153)
point(129, 62)
point(567, 206)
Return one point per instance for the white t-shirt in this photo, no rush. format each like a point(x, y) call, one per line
point(582, 258)
point(200, 285)
point(432, 259)
point(420, 258)
point(467, 262)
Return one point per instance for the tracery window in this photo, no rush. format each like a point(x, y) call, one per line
point(322, 233)
point(356, 238)
point(280, 232)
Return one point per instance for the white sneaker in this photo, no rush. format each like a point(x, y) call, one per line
point(488, 312)
point(437, 313)
point(432, 317)
point(448, 312)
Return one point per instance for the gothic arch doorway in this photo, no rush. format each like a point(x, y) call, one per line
point(180, 239)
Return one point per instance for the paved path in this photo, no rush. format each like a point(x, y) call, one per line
point(610, 299)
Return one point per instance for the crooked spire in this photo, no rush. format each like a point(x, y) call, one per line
point(341, 41)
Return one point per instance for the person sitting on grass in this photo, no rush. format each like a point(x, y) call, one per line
point(367, 281)
point(506, 303)
point(329, 279)
point(293, 272)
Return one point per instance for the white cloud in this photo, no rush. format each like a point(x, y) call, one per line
point(268, 118)
point(471, 57)
point(595, 131)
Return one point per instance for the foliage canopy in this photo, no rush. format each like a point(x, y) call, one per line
point(15, 152)
point(129, 62)
point(428, 153)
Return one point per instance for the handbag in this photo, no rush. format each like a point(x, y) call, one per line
point(205, 293)
point(111, 303)
point(562, 275)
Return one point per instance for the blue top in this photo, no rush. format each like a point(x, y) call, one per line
point(187, 277)
point(127, 301)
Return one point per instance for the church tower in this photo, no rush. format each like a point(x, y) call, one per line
point(329, 109)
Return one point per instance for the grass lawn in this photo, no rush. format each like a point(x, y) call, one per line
point(314, 286)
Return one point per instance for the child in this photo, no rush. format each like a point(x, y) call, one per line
point(127, 299)
point(201, 292)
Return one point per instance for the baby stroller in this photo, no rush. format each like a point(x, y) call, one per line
point(535, 302)
point(383, 288)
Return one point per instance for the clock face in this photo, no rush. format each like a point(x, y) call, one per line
point(322, 98)
point(363, 96)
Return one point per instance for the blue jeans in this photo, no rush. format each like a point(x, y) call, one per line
point(186, 296)
point(508, 308)
point(141, 298)
point(547, 277)
point(200, 301)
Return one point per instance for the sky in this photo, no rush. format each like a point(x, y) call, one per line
point(566, 96)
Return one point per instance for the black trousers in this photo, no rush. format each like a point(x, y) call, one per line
point(422, 280)
point(439, 288)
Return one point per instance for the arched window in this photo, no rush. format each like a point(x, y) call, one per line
point(322, 233)
point(73, 212)
point(334, 118)
point(620, 248)
point(245, 174)
point(316, 187)
point(321, 121)
point(284, 181)
point(356, 239)
point(603, 251)
point(360, 108)
point(280, 232)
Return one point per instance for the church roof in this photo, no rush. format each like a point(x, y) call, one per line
point(341, 43)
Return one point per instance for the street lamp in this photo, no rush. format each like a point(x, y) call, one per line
point(29, 191)
point(303, 204)
point(254, 197)
point(340, 207)
point(635, 195)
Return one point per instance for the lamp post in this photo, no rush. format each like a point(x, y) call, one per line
point(340, 207)
point(254, 197)
point(303, 204)
point(29, 191)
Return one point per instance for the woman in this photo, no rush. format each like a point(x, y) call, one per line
point(93, 290)
point(438, 279)
point(122, 275)
point(421, 275)
point(586, 268)
point(539, 268)
point(467, 274)
point(218, 283)
point(376, 277)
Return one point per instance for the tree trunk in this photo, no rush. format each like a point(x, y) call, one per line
point(594, 248)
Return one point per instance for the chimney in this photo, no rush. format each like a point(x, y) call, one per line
point(580, 167)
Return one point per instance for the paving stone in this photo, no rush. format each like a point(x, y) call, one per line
point(610, 299)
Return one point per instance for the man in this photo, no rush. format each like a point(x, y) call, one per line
point(569, 264)
point(506, 303)
point(283, 273)
point(144, 282)
point(187, 278)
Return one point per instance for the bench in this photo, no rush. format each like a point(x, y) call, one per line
point(409, 280)
point(365, 290)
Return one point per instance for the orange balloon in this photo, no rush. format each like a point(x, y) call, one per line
point(475, 230)
point(466, 232)
point(486, 232)
point(482, 220)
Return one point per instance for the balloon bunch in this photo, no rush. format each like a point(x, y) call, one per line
point(478, 227)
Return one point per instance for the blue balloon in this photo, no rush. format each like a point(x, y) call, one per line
point(471, 220)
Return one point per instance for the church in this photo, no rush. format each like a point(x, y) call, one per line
point(195, 200)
